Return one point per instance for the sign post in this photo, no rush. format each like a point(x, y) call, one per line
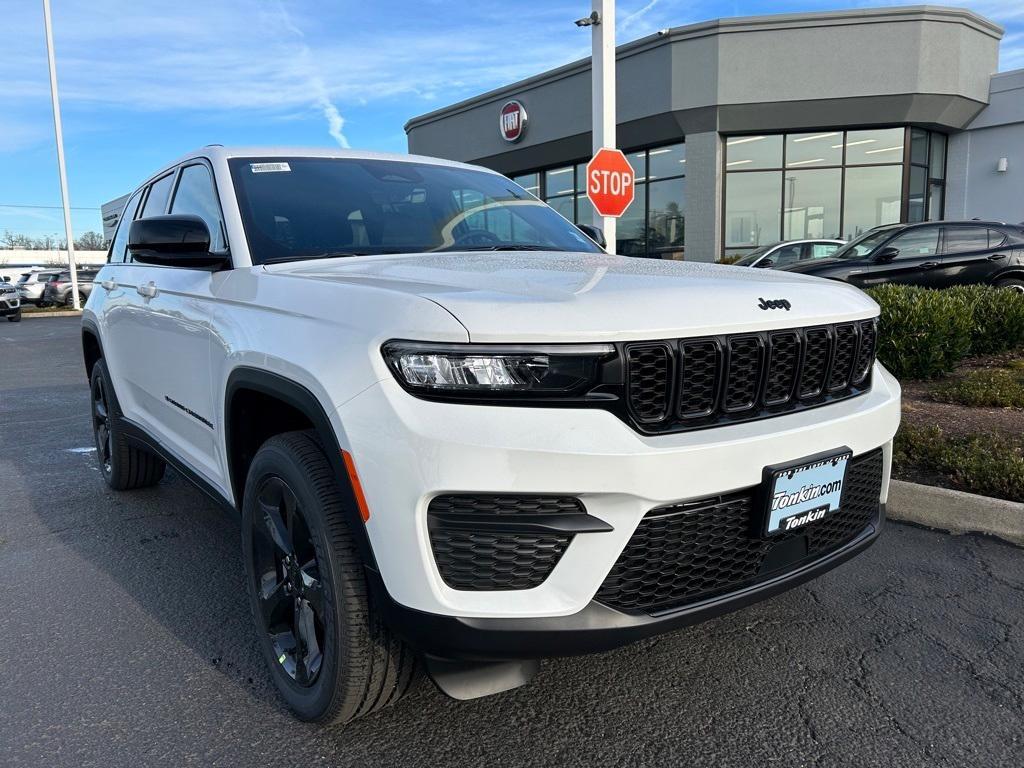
point(60, 155)
point(602, 77)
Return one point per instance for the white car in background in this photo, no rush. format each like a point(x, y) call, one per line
point(789, 252)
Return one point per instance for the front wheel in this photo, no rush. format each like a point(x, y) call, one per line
point(330, 657)
point(16, 318)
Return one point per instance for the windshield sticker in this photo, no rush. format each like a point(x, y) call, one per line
point(269, 167)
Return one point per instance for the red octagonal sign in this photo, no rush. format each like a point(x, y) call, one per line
point(610, 182)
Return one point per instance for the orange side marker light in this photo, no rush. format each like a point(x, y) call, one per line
point(357, 487)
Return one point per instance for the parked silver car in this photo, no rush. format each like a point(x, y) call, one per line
point(32, 284)
point(790, 252)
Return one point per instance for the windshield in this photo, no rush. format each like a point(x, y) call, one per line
point(865, 244)
point(754, 255)
point(312, 207)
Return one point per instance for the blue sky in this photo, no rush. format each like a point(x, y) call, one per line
point(143, 82)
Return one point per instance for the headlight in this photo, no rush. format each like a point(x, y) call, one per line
point(478, 370)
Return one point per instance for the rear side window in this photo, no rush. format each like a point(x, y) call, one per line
point(118, 248)
point(964, 239)
point(159, 193)
point(196, 195)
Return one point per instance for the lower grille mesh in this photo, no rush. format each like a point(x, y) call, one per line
point(687, 552)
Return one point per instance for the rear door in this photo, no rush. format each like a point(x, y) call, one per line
point(916, 263)
point(971, 254)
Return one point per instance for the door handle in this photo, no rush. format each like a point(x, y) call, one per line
point(929, 265)
point(996, 256)
point(148, 290)
point(109, 284)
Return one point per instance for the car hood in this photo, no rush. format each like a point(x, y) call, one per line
point(535, 296)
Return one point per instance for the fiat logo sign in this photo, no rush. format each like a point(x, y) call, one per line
point(512, 121)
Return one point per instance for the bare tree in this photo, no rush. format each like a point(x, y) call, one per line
point(90, 241)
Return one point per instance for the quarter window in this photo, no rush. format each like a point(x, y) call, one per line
point(159, 192)
point(118, 254)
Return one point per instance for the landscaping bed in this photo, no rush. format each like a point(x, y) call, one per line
point(959, 355)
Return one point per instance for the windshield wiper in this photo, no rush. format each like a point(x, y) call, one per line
point(509, 247)
point(326, 255)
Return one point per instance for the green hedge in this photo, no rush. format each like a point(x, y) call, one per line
point(927, 333)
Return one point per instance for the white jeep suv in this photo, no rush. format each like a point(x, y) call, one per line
point(461, 437)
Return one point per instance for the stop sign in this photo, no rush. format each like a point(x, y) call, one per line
point(610, 182)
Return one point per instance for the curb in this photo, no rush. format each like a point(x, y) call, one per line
point(61, 313)
point(956, 511)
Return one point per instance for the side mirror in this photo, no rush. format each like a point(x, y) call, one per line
point(887, 254)
point(178, 240)
point(765, 264)
point(593, 233)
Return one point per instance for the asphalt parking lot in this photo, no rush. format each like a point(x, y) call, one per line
point(127, 641)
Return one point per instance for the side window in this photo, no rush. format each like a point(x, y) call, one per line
point(995, 238)
point(823, 250)
point(120, 243)
point(159, 192)
point(788, 254)
point(195, 195)
point(964, 239)
point(916, 243)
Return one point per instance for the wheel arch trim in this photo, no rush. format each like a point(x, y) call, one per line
point(303, 400)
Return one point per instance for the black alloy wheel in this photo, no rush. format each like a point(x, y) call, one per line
point(288, 584)
point(101, 423)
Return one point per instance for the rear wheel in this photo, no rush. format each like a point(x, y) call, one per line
point(330, 656)
point(1012, 283)
point(124, 466)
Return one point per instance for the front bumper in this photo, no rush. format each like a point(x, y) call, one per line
point(595, 629)
point(10, 304)
point(407, 451)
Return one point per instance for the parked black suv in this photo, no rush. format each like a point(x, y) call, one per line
point(933, 254)
point(58, 288)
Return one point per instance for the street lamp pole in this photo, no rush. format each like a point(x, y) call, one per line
point(602, 30)
point(60, 154)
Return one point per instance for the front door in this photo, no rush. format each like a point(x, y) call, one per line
point(917, 261)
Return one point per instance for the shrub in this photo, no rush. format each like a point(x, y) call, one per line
point(926, 333)
point(991, 465)
point(997, 317)
point(995, 388)
point(923, 333)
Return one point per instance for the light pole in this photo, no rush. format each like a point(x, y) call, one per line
point(58, 131)
point(602, 87)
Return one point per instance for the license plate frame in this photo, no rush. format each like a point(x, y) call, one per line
point(803, 476)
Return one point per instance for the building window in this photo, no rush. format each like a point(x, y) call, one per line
point(653, 226)
point(828, 184)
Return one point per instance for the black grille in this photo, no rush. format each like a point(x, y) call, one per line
point(692, 551)
point(817, 351)
point(866, 351)
point(648, 386)
point(473, 551)
point(783, 367)
point(743, 375)
point(698, 385)
point(693, 383)
point(846, 353)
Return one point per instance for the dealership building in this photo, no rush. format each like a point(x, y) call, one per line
point(746, 131)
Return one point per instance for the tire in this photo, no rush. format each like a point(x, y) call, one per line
point(307, 588)
point(124, 466)
point(14, 318)
point(69, 300)
point(1013, 283)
